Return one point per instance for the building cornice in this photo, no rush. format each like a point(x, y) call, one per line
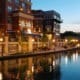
point(20, 14)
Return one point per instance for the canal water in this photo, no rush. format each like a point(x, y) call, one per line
point(60, 66)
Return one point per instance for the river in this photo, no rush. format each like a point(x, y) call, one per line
point(59, 66)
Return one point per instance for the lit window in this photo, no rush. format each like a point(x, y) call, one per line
point(22, 23)
point(28, 24)
point(29, 31)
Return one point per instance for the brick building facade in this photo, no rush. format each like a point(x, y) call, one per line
point(15, 15)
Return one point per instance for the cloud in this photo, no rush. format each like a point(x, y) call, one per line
point(70, 27)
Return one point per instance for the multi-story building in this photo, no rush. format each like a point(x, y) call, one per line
point(18, 21)
point(15, 16)
point(47, 22)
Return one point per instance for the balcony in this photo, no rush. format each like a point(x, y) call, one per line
point(21, 14)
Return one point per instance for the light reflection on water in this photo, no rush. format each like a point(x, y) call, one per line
point(62, 66)
point(66, 59)
point(71, 70)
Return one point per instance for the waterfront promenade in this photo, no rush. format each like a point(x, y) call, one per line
point(37, 53)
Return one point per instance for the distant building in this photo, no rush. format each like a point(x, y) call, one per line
point(70, 35)
point(47, 22)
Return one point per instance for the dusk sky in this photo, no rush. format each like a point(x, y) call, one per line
point(69, 10)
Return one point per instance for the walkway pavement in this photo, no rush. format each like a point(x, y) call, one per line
point(31, 54)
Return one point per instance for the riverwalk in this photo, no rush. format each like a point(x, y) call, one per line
point(37, 53)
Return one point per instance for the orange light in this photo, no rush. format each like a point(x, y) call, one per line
point(66, 40)
point(32, 40)
point(21, 9)
point(53, 40)
point(1, 39)
point(29, 31)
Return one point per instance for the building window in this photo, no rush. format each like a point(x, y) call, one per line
point(9, 20)
point(23, 5)
point(16, 9)
point(55, 17)
point(17, 1)
point(29, 0)
point(28, 24)
point(9, 0)
point(48, 28)
point(9, 8)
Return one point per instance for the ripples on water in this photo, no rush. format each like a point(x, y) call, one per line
point(61, 66)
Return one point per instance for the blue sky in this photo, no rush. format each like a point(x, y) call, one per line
point(69, 10)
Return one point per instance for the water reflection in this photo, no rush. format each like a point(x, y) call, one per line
point(66, 59)
point(49, 67)
point(75, 57)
